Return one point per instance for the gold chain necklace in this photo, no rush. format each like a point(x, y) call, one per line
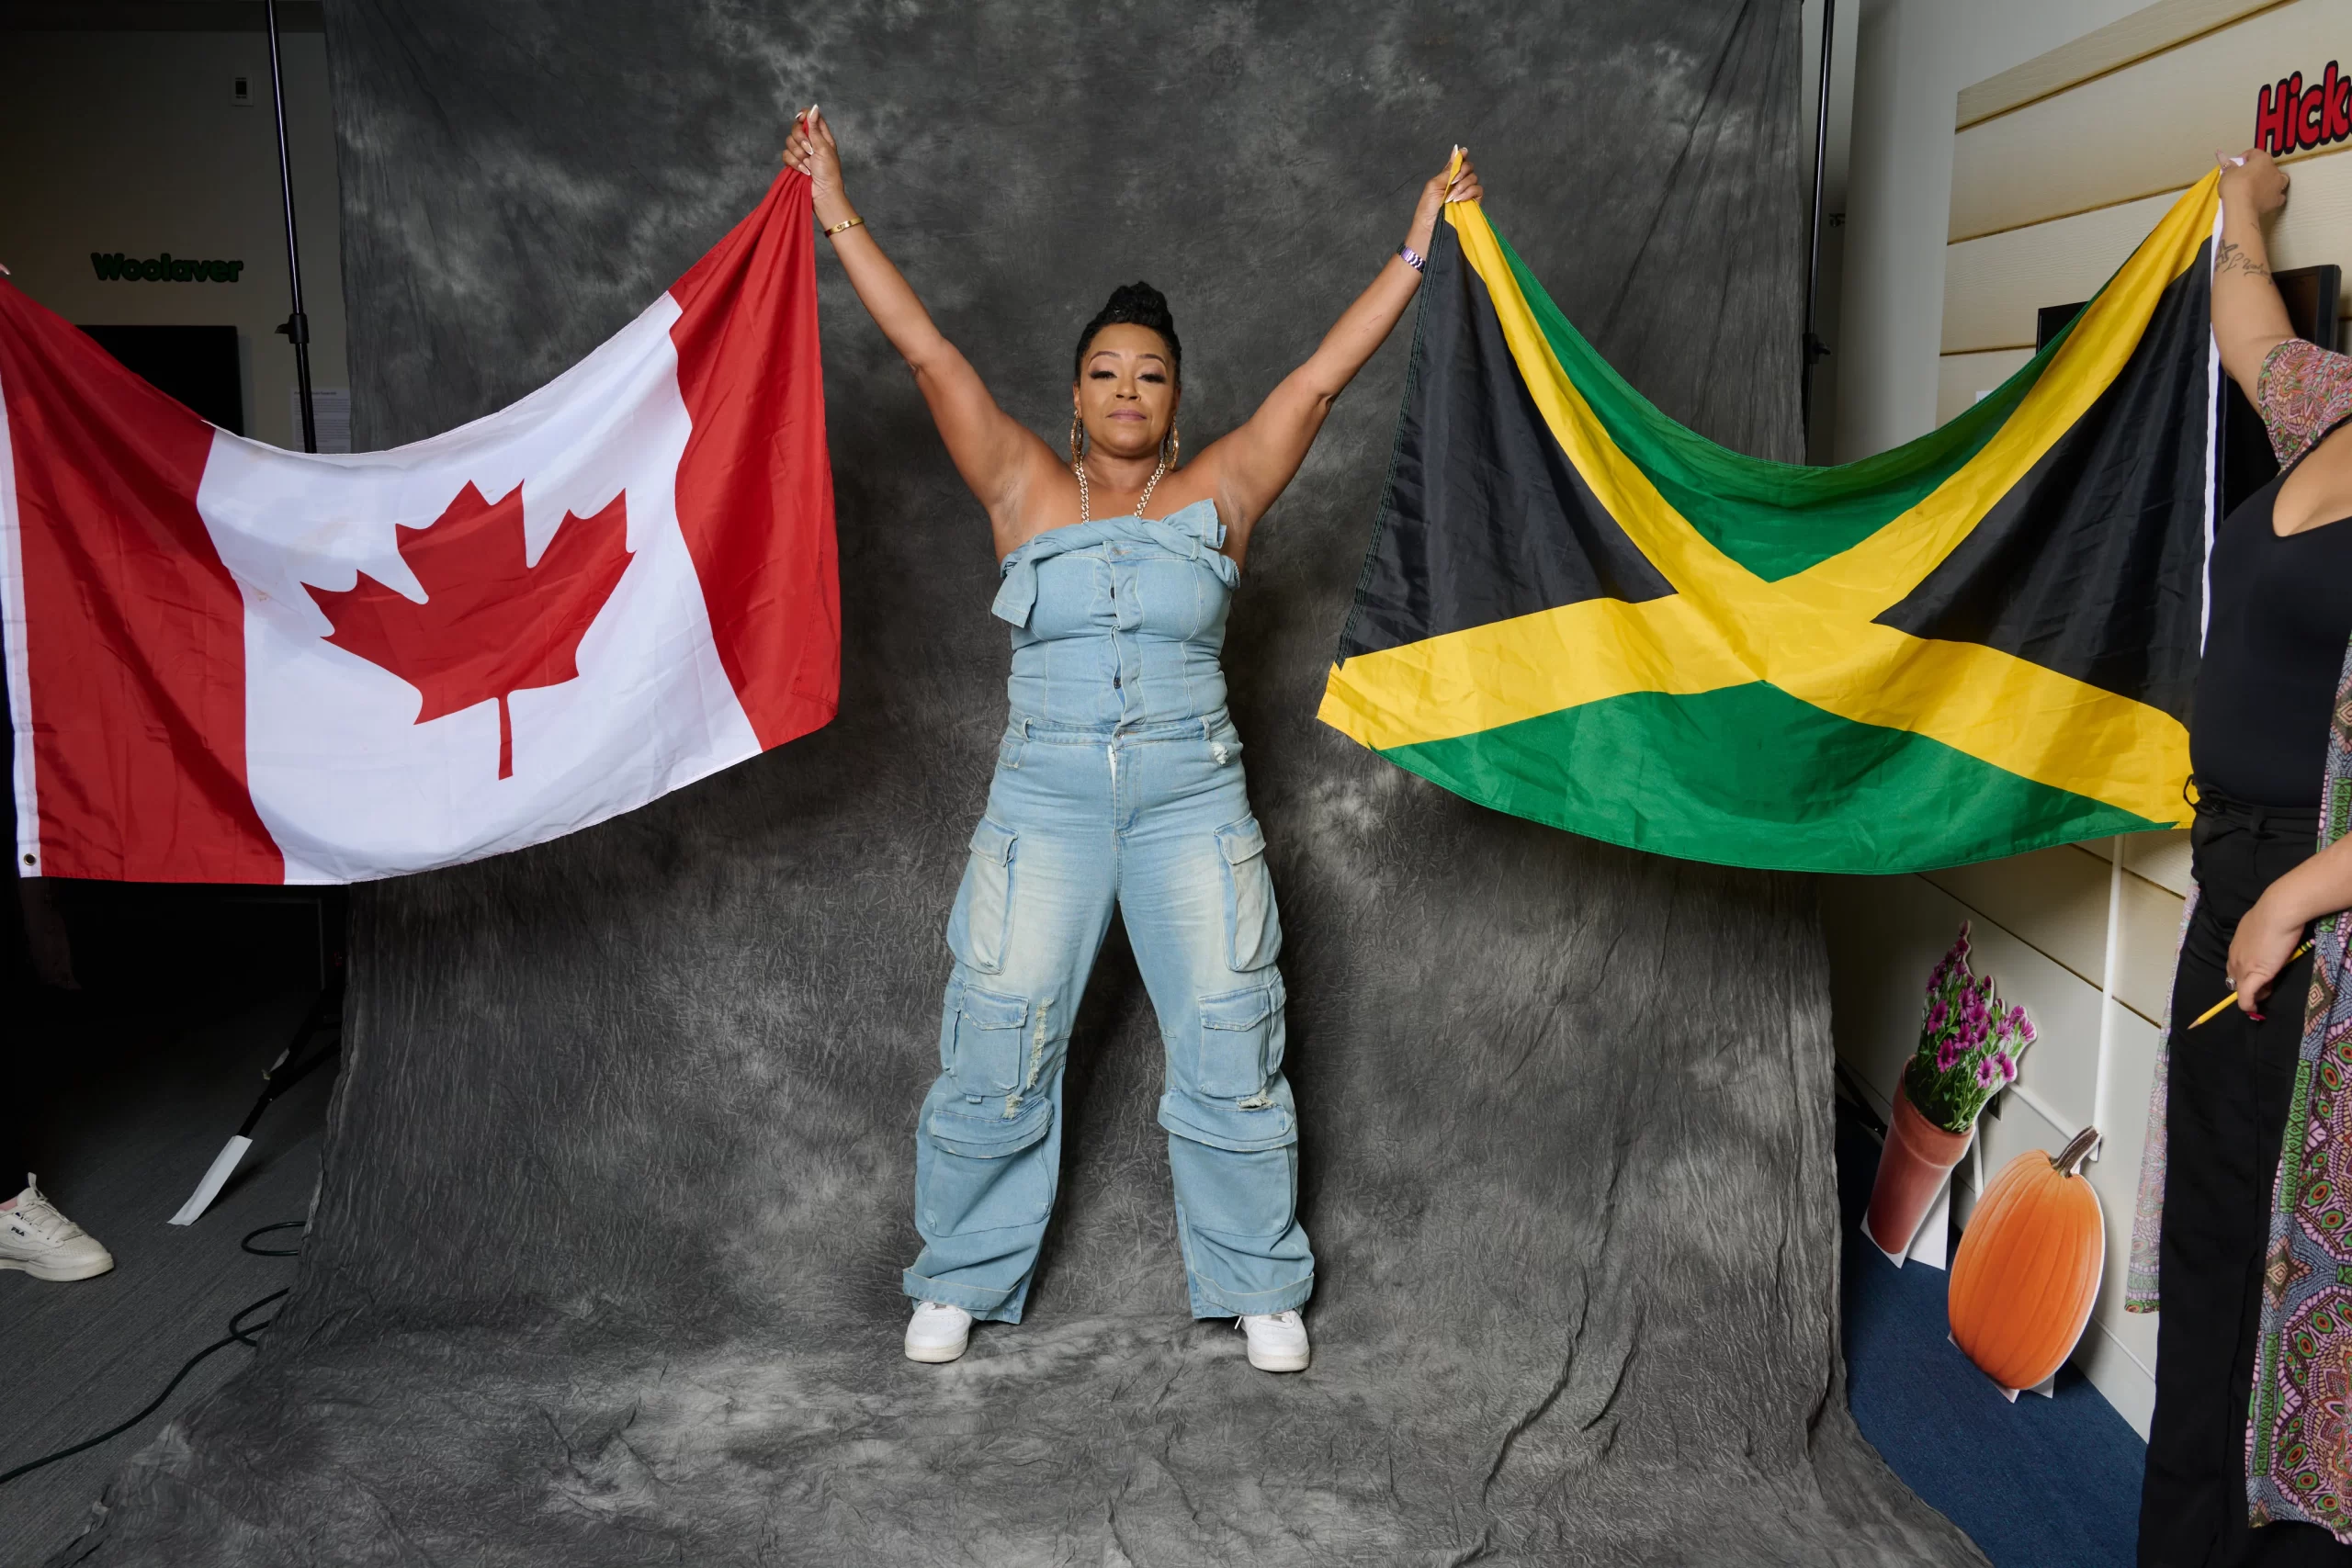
point(1086, 504)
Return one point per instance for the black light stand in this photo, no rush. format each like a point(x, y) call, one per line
point(298, 325)
point(1814, 349)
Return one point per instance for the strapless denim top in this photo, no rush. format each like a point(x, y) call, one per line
point(1118, 621)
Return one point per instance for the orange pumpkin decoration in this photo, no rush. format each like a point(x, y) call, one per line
point(2028, 1268)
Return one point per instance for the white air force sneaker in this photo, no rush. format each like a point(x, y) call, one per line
point(938, 1331)
point(1277, 1341)
point(43, 1243)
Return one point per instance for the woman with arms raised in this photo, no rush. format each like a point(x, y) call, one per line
point(2267, 691)
point(1118, 782)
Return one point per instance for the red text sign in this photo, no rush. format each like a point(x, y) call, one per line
point(2291, 117)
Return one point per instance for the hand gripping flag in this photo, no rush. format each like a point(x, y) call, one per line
point(231, 663)
point(1978, 644)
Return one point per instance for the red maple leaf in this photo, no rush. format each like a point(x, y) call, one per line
point(490, 623)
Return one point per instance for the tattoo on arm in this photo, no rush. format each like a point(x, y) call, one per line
point(2232, 258)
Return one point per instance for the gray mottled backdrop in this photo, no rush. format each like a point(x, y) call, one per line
point(606, 1265)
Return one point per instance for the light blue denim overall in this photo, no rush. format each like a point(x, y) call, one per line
point(1118, 782)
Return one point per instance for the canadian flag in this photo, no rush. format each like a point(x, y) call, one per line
point(233, 663)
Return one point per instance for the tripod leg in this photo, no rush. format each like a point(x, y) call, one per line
point(275, 1082)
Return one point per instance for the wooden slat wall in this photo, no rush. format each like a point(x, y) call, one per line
point(2162, 858)
point(1994, 286)
point(1961, 378)
point(2162, 25)
point(2153, 126)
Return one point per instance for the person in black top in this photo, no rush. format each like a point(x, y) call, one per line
point(2280, 619)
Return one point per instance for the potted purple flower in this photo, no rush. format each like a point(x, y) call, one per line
point(1969, 1046)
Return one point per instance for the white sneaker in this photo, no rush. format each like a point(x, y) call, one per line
point(43, 1243)
point(938, 1331)
point(1277, 1341)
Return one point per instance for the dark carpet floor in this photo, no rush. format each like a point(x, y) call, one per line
point(136, 1103)
point(2036, 1485)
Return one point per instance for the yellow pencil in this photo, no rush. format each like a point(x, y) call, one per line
point(2225, 1001)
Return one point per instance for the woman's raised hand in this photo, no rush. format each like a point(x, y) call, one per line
point(1463, 187)
point(2254, 179)
point(810, 150)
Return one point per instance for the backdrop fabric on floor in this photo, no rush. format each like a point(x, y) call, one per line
point(606, 1261)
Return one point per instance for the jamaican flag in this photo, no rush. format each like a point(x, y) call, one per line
point(1981, 643)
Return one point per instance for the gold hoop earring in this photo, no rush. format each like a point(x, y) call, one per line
point(1170, 448)
point(1076, 432)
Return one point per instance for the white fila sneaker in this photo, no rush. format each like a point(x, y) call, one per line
point(43, 1243)
point(1277, 1341)
point(938, 1331)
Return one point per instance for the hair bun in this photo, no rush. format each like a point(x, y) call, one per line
point(1134, 304)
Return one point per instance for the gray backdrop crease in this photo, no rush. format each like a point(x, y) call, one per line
point(604, 1265)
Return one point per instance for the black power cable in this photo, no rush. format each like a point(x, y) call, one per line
point(240, 1332)
point(247, 1243)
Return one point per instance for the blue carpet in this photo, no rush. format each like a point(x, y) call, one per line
point(2040, 1483)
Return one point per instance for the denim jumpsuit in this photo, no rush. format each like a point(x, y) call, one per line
point(1118, 781)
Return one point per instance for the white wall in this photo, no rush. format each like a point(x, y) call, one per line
point(1911, 59)
point(128, 141)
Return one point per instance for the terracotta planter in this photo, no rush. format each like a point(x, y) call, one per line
point(1911, 1171)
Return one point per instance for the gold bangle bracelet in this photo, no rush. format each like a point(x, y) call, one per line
point(845, 223)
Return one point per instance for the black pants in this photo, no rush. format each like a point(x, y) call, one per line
point(21, 1072)
point(15, 1121)
point(2231, 1083)
point(20, 1078)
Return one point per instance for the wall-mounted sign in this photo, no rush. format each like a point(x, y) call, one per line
point(2291, 117)
point(166, 268)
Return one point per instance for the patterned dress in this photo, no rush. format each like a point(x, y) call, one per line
point(2299, 1432)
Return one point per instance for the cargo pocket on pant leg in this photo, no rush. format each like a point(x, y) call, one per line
point(1240, 1041)
point(1253, 929)
point(985, 1057)
point(981, 926)
point(978, 1174)
point(1233, 1125)
point(1235, 1195)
